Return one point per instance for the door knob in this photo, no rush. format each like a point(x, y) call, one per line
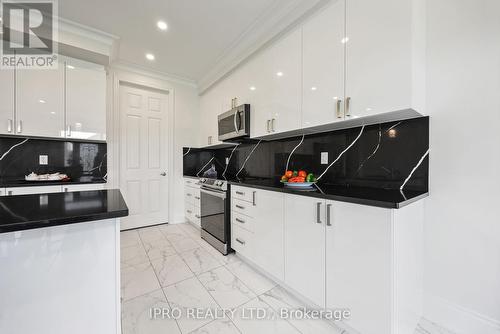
point(163, 174)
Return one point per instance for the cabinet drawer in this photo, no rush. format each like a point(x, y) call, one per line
point(191, 183)
point(241, 241)
point(189, 195)
point(242, 207)
point(243, 194)
point(242, 221)
point(189, 211)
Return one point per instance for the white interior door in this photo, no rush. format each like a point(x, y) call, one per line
point(143, 156)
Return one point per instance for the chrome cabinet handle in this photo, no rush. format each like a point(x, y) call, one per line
point(196, 197)
point(239, 220)
point(240, 193)
point(20, 127)
point(68, 130)
point(197, 216)
point(240, 207)
point(9, 126)
point(268, 123)
point(189, 211)
point(272, 125)
point(189, 195)
point(253, 198)
point(328, 215)
point(348, 106)
point(163, 174)
point(9, 192)
point(339, 103)
point(240, 241)
point(318, 212)
point(235, 124)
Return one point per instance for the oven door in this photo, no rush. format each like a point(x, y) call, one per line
point(213, 213)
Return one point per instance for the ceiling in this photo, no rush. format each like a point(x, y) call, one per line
point(199, 31)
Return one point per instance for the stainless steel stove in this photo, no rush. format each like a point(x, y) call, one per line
point(215, 214)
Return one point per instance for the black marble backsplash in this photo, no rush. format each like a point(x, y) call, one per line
point(81, 161)
point(383, 157)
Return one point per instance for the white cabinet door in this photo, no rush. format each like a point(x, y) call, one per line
point(7, 101)
point(358, 265)
point(2, 192)
point(84, 187)
point(85, 100)
point(210, 106)
point(268, 232)
point(323, 66)
point(378, 56)
point(40, 102)
point(305, 246)
point(33, 190)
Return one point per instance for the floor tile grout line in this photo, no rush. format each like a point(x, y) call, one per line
point(161, 288)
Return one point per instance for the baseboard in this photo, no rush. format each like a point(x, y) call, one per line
point(457, 318)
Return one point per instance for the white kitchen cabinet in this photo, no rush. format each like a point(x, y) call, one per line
point(7, 101)
point(268, 223)
point(373, 266)
point(192, 200)
point(210, 107)
point(305, 246)
point(84, 187)
point(323, 66)
point(32, 190)
point(378, 57)
point(2, 192)
point(40, 102)
point(275, 87)
point(85, 100)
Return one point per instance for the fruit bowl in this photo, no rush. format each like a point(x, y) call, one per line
point(298, 185)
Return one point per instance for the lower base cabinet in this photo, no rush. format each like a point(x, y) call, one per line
point(338, 255)
point(32, 190)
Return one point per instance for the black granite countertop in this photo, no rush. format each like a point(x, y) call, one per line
point(384, 198)
point(11, 183)
point(24, 212)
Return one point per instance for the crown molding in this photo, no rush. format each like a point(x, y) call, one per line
point(122, 65)
point(272, 24)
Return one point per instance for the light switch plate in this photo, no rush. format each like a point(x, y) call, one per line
point(43, 159)
point(324, 158)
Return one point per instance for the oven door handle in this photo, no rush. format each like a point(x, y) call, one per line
point(213, 193)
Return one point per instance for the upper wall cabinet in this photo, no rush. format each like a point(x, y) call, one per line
point(323, 66)
point(40, 102)
point(378, 56)
point(7, 101)
point(274, 84)
point(85, 100)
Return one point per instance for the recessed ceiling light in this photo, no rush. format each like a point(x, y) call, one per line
point(345, 40)
point(71, 67)
point(252, 88)
point(53, 112)
point(150, 56)
point(279, 74)
point(313, 88)
point(162, 25)
point(42, 101)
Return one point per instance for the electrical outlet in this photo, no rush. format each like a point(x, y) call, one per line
point(43, 159)
point(324, 158)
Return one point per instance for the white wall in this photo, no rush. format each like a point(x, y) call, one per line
point(186, 109)
point(462, 231)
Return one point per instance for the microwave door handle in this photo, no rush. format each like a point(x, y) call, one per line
point(235, 124)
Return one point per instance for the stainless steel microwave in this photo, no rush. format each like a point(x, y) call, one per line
point(235, 123)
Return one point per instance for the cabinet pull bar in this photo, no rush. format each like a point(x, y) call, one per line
point(9, 126)
point(339, 113)
point(189, 211)
point(240, 207)
point(240, 193)
point(268, 122)
point(318, 212)
point(197, 216)
point(240, 220)
point(328, 215)
point(20, 127)
point(240, 241)
point(196, 197)
point(253, 198)
point(272, 125)
point(348, 106)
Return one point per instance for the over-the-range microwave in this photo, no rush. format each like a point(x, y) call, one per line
point(235, 123)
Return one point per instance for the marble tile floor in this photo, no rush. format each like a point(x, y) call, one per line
point(169, 267)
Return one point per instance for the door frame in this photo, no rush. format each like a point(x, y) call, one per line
point(120, 78)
